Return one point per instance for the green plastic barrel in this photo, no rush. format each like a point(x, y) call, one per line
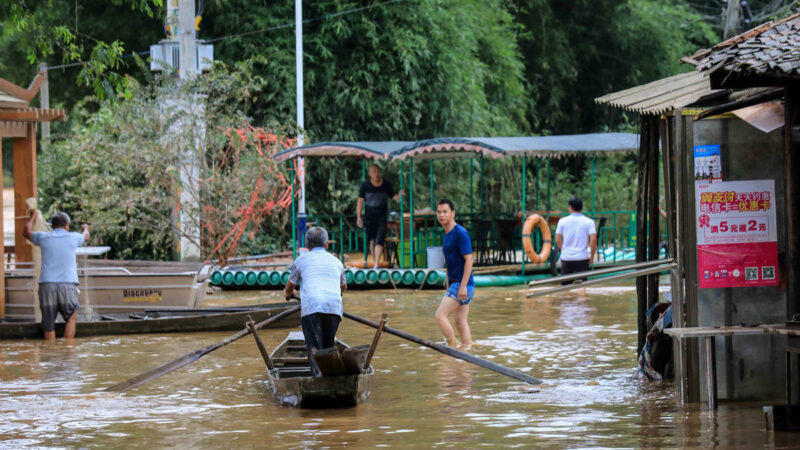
point(227, 278)
point(419, 276)
point(397, 276)
point(275, 278)
point(251, 278)
point(284, 277)
point(263, 278)
point(216, 278)
point(408, 277)
point(372, 276)
point(238, 277)
point(348, 276)
point(384, 276)
point(360, 277)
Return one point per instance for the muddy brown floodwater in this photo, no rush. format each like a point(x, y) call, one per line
point(50, 395)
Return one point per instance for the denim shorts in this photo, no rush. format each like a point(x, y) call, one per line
point(452, 292)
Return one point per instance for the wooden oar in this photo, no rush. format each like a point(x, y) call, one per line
point(449, 351)
point(189, 358)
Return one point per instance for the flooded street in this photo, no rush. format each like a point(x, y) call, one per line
point(582, 347)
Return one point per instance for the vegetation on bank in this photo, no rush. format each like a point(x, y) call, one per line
point(398, 71)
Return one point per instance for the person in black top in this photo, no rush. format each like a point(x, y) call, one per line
point(373, 197)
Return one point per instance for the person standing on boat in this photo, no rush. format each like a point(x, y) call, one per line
point(322, 281)
point(576, 236)
point(58, 282)
point(458, 259)
point(373, 197)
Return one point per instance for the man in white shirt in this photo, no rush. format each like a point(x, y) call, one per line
point(577, 238)
point(322, 280)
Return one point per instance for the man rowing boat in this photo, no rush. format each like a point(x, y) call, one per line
point(322, 281)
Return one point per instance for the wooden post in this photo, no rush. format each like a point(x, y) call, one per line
point(641, 230)
point(652, 207)
point(252, 327)
point(374, 345)
point(24, 188)
point(2, 235)
point(791, 167)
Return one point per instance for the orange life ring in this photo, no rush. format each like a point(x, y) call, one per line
point(532, 221)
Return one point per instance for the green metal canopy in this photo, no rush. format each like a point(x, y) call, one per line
point(495, 147)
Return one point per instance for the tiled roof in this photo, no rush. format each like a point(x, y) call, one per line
point(771, 50)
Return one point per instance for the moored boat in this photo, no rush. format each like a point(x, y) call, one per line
point(345, 384)
point(161, 321)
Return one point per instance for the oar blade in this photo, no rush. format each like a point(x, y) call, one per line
point(157, 372)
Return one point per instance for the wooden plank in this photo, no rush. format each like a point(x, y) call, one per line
point(21, 93)
point(696, 332)
point(12, 129)
point(653, 238)
point(32, 115)
point(24, 188)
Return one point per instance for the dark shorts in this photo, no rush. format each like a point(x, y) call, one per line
point(319, 329)
point(568, 267)
point(376, 231)
point(55, 298)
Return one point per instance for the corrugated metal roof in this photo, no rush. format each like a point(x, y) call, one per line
point(662, 95)
point(496, 147)
point(771, 50)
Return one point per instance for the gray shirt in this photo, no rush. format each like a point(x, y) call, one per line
point(58, 255)
point(320, 276)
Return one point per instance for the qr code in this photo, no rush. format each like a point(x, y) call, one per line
point(768, 273)
point(750, 273)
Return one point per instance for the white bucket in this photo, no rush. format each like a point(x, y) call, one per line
point(435, 258)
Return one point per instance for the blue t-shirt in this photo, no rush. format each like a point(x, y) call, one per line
point(456, 244)
point(58, 255)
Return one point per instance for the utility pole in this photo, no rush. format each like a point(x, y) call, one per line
point(44, 103)
point(298, 49)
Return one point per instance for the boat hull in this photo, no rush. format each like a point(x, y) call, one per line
point(322, 392)
point(185, 321)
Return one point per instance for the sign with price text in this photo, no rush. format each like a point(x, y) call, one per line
point(737, 238)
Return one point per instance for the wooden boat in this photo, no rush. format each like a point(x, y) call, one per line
point(110, 287)
point(161, 321)
point(343, 383)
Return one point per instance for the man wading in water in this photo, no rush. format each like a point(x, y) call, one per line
point(58, 283)
point(322, 281)
point(461, 286)
point(373, 197)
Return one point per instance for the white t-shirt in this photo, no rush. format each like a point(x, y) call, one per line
point(575, 229)
point(320, 276)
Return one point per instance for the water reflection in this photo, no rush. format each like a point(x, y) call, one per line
point(582, 346)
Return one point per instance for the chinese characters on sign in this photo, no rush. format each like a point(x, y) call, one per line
point(737, 243)
point(707, 163)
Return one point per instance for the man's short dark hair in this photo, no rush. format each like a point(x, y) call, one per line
point(576, 203)
point(447, 202)
point(59, 220)
point(316, 237)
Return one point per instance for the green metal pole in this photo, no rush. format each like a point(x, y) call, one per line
point(481, 186)
point(536, 184)
point(548, 184)
point(364, 230)
point(402, 240)
point(594, 158)
point(471, 186)
point(433, 207)
point(411, 212)
point(341, 238)
point(294, 219)
point(524, 167)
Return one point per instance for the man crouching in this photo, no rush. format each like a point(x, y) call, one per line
point(322, 281)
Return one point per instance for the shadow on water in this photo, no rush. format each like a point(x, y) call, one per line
point(582, 346)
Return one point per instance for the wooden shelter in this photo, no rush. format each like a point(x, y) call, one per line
point(743, 102)
point(18, 122)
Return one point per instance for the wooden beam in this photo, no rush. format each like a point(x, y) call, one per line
point(12, 129)
point(791, 167)
point(24, 188)
point(2, 256)
point(653, 238)
point(32, 115)
point(641, 230)
point(22, 93)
